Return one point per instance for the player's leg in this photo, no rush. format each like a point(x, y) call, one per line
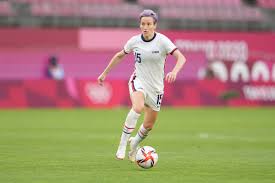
point(137, 98)
point(150, 117)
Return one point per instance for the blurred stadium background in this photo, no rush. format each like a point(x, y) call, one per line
point(229, 46)
point(230, 50)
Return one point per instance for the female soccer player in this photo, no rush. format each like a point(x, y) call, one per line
point(146, 85)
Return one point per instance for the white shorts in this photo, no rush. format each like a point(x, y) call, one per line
point(151, 98)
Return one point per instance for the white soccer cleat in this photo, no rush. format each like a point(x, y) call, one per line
point(120, 154)
point(133, 150)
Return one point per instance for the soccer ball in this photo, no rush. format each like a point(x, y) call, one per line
point(146, 157)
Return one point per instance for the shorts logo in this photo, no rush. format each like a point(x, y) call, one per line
point(155, 52)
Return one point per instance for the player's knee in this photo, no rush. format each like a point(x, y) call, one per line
point(138, 109)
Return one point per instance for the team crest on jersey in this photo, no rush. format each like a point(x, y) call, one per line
point(155, 51)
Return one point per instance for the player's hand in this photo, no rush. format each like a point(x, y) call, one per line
point(171, 77)
point(101, 79)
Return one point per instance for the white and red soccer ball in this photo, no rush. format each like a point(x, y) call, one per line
point(146, 157)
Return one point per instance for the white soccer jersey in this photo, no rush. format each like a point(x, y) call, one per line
point(150, 58)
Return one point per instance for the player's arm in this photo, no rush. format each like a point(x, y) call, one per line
point(171, 76)
point(117, 58)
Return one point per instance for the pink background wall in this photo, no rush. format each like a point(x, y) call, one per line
point(87, 93)
point(38, 38)
point(84, 53)
point(104, 39)
point(79, 64)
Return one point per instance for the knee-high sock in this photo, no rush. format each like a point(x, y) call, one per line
point(140, 136)
point(129, 126)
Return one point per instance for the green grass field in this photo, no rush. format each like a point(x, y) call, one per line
point(213, 145)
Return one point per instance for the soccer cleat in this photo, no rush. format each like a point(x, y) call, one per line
point(133, 150)
point(120, 154)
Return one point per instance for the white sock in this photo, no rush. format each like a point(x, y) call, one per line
point(129, 126)
point(140, 136)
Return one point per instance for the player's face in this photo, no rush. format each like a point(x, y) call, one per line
point(147, 27)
